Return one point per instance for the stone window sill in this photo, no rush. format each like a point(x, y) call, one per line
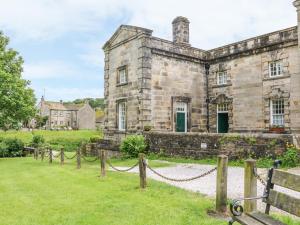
point(222, 85)
point(277, 77)
point(122, 84)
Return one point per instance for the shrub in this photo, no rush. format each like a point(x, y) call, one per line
point(95, 138)
point(3, 149)
point(14, 147)
point(68, 144)
point(133, 145)
point(291, 157)
point(37, 140)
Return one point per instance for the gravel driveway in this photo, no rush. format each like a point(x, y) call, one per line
point(207, 185)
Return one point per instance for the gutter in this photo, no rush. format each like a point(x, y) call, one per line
point(207, 66)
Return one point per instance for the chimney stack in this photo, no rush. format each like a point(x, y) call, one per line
point(181, 30)
point(297, 5)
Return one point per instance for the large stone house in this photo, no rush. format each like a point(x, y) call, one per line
point(248, 86)
point(66, 115)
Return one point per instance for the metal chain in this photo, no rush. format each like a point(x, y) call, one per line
point(72, 157)
point(120, 170)
point(182, 180)
point(258, 177)
point(87, 160)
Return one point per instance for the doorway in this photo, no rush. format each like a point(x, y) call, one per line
point(181, 117)
point(222, 118)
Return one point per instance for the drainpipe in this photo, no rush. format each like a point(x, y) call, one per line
point(207, 66)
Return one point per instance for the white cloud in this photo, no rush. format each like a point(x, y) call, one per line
point(47, 70)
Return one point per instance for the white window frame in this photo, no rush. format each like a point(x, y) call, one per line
point(122, 116)
point(277, 115)
point(122, 75)
point(182, 108)
point(275, 68)
point(222, 78)
point(222, 108)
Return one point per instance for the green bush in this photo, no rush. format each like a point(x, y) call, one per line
point(95, 139)
point(133, 145)
point(37, 141)
point(11, 147)
point(68, 144)
point(291, 157)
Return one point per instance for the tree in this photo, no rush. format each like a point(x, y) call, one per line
point(17, 101)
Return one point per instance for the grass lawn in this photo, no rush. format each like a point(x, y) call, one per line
point(36, 193)
point(49, 135)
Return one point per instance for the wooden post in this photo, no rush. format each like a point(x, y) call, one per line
point(250, 186)
point(37, 154)
point(78, 158)
point(50, 155)
point(142, 167)
point(62, 156)
point(42, 154)
point(221, 192)
point(102, 155)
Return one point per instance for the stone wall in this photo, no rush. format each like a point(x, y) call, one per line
point(236, 146)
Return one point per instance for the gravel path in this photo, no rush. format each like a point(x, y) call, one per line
point(207, 185)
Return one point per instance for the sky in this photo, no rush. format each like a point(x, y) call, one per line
point(61, 40)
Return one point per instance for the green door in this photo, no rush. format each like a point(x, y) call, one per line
point(180, 122)
point(223, 123)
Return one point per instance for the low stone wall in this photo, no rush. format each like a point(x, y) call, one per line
point(236, 146)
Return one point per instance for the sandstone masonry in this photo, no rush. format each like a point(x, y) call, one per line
point(170, 86)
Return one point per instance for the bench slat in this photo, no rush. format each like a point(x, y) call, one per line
point(287, 180)
point(265, 219)
point(247, 220)
point(285, 202)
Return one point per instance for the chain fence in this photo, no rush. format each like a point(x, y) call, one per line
point(121, 170)
point(183, 179)
point(72, 157)
point(259, 178)
point(89, 160)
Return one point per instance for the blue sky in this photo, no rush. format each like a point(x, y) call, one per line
point(61, 40)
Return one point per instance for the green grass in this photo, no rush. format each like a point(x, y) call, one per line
point(49, 135)
point(70, 140)
point(35, 193)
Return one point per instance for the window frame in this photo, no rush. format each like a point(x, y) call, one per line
point(122, 116)
point(224, 79)
point(120, 69)
point(275, 68)
point(279, 115)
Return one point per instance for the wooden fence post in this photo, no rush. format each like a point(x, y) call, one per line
point(221, 192)
point(50, 155)
point(102, 156)
point(250, 186)
point(142, 167)
point(62, 156)
point(37, 153)
point(78, 158)
point(42, 154)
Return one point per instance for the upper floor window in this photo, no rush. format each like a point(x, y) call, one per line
point(61, 113)
point(222, 78)
point(122, 75)
point(275, 68)
point(277, 112)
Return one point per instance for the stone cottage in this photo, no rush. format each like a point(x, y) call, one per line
point(248, 86)
point(66, 115)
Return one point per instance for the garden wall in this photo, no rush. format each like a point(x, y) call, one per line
point(236, 146)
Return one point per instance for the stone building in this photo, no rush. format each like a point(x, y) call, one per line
point(66, 115)
point(248, 86)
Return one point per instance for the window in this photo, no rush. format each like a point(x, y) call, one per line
point(275, 68)
point(122, 116)
point(61, 122)
point(61, 113)
point(181, 107)
point(277, 112)
point(222, 77)
point(223, 107)
point(122, 76)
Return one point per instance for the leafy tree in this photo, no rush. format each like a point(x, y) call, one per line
point(16, 98)
point(41, 120)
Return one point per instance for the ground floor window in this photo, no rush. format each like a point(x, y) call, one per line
point(122, 116)
point(277, 112)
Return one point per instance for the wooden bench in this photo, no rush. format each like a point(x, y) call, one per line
point(271, 197)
